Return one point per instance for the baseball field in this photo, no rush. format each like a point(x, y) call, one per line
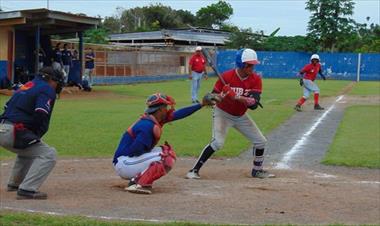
point(327, 163)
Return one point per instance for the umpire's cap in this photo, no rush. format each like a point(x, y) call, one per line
point(157, 100)
point(50, 73)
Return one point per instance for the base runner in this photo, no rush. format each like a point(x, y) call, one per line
point(309, 74)
point(137, 157)
point(241, 88)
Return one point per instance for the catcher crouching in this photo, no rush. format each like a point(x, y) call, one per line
point(137, 157)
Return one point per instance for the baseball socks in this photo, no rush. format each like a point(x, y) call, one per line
point(316, 102)
point(258, 160)
point(206, 154)
point(299, 104)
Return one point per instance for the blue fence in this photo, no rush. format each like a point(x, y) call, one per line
point(113, 80)
point(287, 64)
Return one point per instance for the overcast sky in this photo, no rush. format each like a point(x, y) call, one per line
point(290, 16)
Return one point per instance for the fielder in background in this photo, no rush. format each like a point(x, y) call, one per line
point(197, 71)
point(308, 75)
point(137, 157)
point(241, 89)
point(25, 120)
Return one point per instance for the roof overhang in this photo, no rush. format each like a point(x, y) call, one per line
point(50, 22)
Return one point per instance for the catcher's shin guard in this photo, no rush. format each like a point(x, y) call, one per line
point(158, 169)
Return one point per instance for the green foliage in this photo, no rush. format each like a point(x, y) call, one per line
point(330, 22)
point(214, 15)
point(112, 25)
point(285, 43)
point(357, 142)
point(244, 38)
point(96, 36)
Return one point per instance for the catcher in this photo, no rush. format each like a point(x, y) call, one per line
point(137, 157)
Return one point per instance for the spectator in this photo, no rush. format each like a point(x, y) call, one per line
point(66, 60)
point(57, 57)
point(89, 66)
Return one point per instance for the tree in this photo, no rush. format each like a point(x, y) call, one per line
point(96, 36)
point(245, 38)
point(214, 15)
point(111, 24)
point(330, 22)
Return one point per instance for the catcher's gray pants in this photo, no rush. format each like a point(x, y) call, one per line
point(32, 165)
point(222, 121)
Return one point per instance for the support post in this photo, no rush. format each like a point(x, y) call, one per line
point(37, 48)
point(80, 35)
point(358, 67)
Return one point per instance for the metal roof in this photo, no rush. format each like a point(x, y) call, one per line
point(190, 35)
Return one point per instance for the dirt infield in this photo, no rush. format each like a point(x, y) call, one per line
point(304, 193)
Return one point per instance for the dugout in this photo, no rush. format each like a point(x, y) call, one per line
point(22, 32)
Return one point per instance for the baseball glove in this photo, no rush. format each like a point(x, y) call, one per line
point(211, 99)
point(301, 82)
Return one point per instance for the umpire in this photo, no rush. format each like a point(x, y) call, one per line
point(25, 120)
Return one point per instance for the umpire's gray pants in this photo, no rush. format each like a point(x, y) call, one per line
point(32, 165)
point(222, 121)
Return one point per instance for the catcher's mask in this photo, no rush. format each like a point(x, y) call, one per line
point(56, 75)
point(156, 101)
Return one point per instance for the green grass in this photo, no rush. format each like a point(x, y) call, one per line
point(92, 127)
point(366, 88)
point(26, 219)
point(357, 141)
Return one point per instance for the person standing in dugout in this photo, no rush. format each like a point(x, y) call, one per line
point(308, 75)
point(241, 90)
point(197, 71)
point(24, 122)
point(137, 157)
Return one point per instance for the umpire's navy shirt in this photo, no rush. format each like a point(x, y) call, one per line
point(36, 95)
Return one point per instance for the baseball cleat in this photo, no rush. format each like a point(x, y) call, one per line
point(318, 107)
point(136, 188)
point(12, 187)
point(262, 174)
point(298, 108)
point(24, 194)
point(193, 175)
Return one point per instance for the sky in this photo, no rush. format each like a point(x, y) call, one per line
point(289, 15)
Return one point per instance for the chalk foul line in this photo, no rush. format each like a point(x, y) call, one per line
point(284, 163)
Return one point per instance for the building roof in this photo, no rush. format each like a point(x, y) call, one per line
point(50, 22)
point(172, 36)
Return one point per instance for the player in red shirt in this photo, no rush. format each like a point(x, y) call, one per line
point(197, 70)
point(309, 73)
point(241, 89)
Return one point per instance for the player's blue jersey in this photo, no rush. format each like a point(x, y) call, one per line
point(142, 136)
point(36, 95)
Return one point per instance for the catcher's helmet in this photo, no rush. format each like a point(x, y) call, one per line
point(246, 56)
point(157, 100)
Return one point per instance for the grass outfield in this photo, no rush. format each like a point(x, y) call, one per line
point(20, 219)
point(366, 88)
point(92, 127)
point(357, 140)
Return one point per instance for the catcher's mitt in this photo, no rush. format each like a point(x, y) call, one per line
point(211, 99)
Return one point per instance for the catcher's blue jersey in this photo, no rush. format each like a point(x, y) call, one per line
point(142, 136)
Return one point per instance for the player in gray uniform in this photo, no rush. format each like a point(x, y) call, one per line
point(241, 89)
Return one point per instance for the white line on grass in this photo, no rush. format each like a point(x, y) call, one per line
point(88, 216)
point(284, 163)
